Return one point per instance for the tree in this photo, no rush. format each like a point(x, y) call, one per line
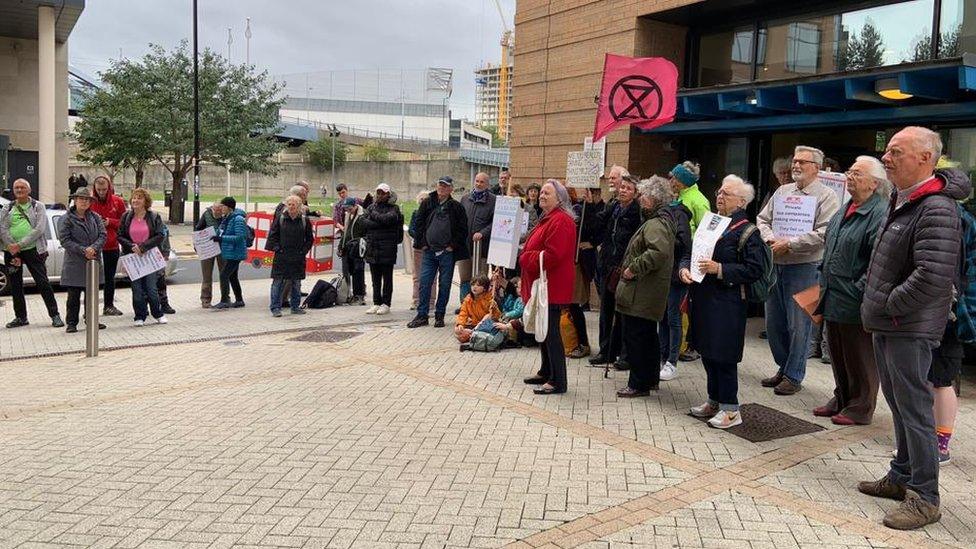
point(375, 151)
point(865, 51)
point(320, 153)
point(238, 115)
point(496, 140)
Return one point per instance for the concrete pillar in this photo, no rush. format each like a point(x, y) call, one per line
point(46, 103)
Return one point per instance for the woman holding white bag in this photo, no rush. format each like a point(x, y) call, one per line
point(548, 257)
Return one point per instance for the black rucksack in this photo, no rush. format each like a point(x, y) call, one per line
point(758, 291)
point(322, 296)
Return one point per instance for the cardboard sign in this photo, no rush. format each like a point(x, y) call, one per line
point(793, 214)
point(583, 169)
point(601, 145)
point(506, 231)
point(836, 182)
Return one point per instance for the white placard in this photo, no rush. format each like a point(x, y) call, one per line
point(506, 231)
point(204, 245)
point(710, 229)
point(836, 182)
point(583, 169)
point(793, 214)
point(138, 266)
point(601, 145)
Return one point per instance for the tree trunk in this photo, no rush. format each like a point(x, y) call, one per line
point(140, 174)
point(176, 210)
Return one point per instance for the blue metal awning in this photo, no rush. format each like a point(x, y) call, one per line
point(944, 91)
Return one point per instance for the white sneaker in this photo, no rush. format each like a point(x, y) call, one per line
point(139, 323)
point(668, 372)
point(383, 310)
point(703, 410)
point(725, 419)
point(373, 310)
point(161, 320)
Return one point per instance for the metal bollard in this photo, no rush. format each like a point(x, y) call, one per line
point(91, 307)
point(476, 260)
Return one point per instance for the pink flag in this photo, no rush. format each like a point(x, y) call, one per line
point(641, 91)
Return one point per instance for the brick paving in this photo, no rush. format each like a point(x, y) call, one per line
point(212, 432)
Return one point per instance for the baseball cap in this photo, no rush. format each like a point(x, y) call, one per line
point(383, 187)
point(447, 180)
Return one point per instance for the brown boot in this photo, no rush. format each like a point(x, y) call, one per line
point(913, 513)
point(787, 387)
point(882, 488)
point(772, 381)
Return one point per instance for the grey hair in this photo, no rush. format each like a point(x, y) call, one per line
point(928, 139)
point(296, 190)
point(623, 171)
point(21, 180)
point(748, 191)
point(658, 188)
point(562, 195)
point(818, 155)
point(781, 163)
point(877, 171)
point(293, 197)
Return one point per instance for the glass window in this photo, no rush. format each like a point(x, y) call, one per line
point(726, 57)
point(803, 48)
point(957, 28)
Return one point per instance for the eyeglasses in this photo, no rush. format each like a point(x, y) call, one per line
point(801, 161)
point(720, 193)
point(853, 174)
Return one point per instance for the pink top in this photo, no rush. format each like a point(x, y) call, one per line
point(139, 230)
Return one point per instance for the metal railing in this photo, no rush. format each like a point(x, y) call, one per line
point(362, 132)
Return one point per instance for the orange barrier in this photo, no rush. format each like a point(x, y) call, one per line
point(319, 258)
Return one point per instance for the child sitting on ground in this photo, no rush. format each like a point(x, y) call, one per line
point(478, 305)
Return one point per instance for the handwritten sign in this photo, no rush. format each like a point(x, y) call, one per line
point(601, 145)
point(583, 169)
point(138, 266)
point(836, 182)
point(793, 214)
point(204, 245)
point(506, 231)
point(703, 245)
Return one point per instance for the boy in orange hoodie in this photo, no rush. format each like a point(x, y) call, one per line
point(478, 305)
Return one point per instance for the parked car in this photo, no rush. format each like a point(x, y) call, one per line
point(55, 256)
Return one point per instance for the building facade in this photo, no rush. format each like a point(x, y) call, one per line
point(756, 79)
point(488, 97)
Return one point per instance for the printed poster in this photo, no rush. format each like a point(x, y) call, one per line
point(793, 214)
point(836, 182)
point(506, 231)
point(204, 245)
point(138, 266)
point(710, 229)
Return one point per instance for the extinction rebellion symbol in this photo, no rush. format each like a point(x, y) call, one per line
point(635, 97)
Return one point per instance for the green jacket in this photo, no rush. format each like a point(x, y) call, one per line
point(694, 200)
point(845, 262)
point(650, 256)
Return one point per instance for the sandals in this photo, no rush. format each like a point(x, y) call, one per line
point(548, 390)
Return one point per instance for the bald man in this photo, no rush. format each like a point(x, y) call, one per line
point(479, 205)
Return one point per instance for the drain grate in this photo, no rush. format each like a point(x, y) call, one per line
point(234, 343)
point(762, 423)
point(324, 336)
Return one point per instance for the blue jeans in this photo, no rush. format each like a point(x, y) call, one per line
point(787, 325)
point(442, 266)
point(295, 297)
point(145, 297)
point(669, 329)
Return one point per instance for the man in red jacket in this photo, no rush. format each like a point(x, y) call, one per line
point(110, 208)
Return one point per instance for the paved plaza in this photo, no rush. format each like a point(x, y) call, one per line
point(221, 429)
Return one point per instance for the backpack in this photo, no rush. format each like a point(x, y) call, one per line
point(322, 296)
point(758, 291)
point(965, 307)
point(341, 285)
point(248, 235)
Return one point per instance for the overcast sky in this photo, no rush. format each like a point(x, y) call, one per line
point(295, 36)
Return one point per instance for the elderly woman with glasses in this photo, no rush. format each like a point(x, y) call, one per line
point(718, 303)
point(849, 242)
point(642, 293)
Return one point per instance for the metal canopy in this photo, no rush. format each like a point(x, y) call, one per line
point(18, 18)
point(944, 91)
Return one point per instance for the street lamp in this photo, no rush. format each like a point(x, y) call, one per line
point(196, 124)
point(334, 133)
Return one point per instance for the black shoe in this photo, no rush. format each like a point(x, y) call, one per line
point(465, 347)
point(457, 311)
point(690, 355)
point(57, 322)
point(170, 311)
point(71, 329)
point(548, 390)
point(418, 322)
point(763, 335)
point(112, 311)
point(17, 323)
point(238, 304)
point(599, 360)
point(438, 321)
point(534, 380)
point(621, 365)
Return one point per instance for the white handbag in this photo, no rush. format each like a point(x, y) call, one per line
point(536, 312)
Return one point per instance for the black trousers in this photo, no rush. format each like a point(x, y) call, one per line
point(553, 358)
point(354, 270)
point(579, 322)
point(161, 288)
point(110, 262)
point(644, 352)
point(610, 329)
point(382, 276)
point(74, 305)
point(38, 270)
point(228, 279)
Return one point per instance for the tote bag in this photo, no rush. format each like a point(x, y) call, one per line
point(536, 313)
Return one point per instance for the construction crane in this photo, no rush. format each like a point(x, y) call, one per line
point(503, 75)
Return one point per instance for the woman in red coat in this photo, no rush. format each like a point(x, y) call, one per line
point(555, 238)
point(110, 207)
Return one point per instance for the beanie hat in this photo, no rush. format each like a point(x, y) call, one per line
point(349, 201)
point(684, 175)
point(229, 202)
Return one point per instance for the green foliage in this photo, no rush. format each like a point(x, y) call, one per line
point(145, 113)
point(865, 51)
point(375, 151)
point(496, 140)
point(320, 153)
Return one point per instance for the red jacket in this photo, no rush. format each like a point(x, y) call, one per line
point(556, 236)
point(111, 209)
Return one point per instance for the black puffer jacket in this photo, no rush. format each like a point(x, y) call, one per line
point(915, 261)
point(384, 232)
point(616, 226)
point(680, 217)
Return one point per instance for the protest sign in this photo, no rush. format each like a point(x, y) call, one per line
point(583, 169)
point(204, 245)
point(506, 231)
point(703, 245)
point(138, 266)
point(793, 215)
point(601, 146)
point(836, 182)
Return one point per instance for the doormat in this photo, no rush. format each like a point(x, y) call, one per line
point(762, 423)
point(324, 336)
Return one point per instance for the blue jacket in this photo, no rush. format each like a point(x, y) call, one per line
point(233, 233)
